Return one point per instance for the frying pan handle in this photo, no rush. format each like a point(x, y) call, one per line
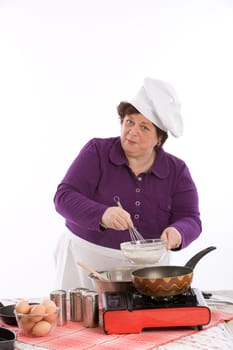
point(194, 260)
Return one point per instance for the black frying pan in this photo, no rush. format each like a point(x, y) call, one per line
point(7, 339)
point(7, 314)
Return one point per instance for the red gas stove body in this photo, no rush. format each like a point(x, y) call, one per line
point(132, 312)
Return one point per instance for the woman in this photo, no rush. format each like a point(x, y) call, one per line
point(155, 188)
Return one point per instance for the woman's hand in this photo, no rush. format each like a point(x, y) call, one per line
point(116, 218)
point(172, 236)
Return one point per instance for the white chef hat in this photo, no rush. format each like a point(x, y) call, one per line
point(158, 102)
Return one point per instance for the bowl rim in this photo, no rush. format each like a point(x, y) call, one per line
point(29, 315)
point(153, 242)
point(129, 269)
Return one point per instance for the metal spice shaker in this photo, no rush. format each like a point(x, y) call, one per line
point(76, 304)
point(59, 297)
point(90, 309)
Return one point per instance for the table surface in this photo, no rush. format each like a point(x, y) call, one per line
point(224, 307)
point(212, 305)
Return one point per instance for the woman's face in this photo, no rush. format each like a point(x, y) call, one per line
point(138, 135)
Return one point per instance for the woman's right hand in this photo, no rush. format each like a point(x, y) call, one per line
point(117, 219)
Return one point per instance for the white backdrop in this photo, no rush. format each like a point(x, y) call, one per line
point(64, 67)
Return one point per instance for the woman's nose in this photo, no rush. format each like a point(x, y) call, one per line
point(134, 130)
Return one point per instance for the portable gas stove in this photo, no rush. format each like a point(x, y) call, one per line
point(131, 312)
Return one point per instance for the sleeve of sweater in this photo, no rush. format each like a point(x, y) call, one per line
point(185, 208)
point(73, 198)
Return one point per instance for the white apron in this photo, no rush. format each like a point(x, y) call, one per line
point(71, 248)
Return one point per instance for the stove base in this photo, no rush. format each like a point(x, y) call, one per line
point(123, 321)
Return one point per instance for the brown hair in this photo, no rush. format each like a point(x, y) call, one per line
point(125, 108)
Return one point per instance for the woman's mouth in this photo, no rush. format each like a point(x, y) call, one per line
point(131, 142)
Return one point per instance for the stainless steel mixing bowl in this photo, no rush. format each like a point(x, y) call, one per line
point(119, 280)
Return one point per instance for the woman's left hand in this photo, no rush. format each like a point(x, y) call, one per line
point(172, 236)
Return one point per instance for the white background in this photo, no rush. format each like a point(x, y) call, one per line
point(64, 67)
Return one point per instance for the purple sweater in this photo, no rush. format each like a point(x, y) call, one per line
point(164, 196)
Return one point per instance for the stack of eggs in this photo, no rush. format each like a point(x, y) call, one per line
point(36, 320)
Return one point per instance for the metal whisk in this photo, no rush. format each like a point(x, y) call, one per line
point(133, 232)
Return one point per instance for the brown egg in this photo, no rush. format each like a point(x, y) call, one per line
point(41, 328)
point(27, 324)
point(49, 303)
point(51, 308)
point(22, 307)
point(38, 309)
point(52, 314)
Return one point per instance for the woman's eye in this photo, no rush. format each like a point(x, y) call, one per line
point(129, 122)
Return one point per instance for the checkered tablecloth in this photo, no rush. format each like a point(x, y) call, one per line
point(74, 336)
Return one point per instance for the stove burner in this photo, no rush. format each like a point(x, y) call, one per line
point(137, 301)
point(131, 312)
point(188, 298)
